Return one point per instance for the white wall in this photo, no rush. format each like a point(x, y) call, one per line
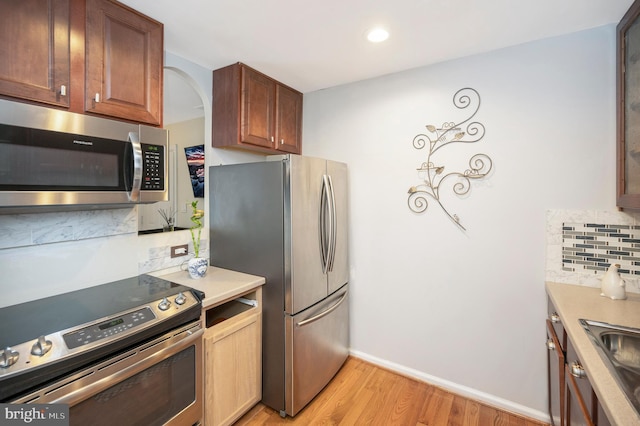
point(466, 310)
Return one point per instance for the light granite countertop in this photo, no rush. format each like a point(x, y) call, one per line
point(575, 302)
point(218, 285)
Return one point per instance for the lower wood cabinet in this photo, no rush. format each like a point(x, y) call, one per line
point(555, 363)
point(572, 401)
point(233, 359)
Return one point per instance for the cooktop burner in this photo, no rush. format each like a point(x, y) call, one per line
point(54, 335)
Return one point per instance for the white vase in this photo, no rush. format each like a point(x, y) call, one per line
point(613, 286)
point(197, 267)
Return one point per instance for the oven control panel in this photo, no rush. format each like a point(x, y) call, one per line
point(109, 328)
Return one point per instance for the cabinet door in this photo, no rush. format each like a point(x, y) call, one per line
point(288, 120)
point(555, 370)
point(257, 104)
point(34, 47)
point(123, 63)
point(553, 316)
point(577, 413)
point(233, 369)
point(628, 74)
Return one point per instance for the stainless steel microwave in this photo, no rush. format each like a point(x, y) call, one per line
point(55, 160)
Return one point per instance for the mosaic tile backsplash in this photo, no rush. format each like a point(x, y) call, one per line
point(593, 247)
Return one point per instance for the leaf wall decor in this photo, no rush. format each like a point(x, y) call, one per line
point(432, 174)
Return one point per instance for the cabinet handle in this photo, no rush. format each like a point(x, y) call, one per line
point(272, 139)
point(281, 141)
point(555, 318)
point(63, 90)
point(577, 370)
point(550, 345)
point(97, 98)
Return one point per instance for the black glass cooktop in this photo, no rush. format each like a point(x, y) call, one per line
point(26, 321)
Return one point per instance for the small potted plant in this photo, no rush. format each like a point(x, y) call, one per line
point(197, 266)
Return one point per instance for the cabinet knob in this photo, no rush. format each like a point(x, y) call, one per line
point(577, 370)
point(281, 141)
point(63, 90)
point(555, 318)
point(97, 98)
point(550, 345)
point(272, 139)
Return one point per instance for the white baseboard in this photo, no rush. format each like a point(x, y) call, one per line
point(464, 391)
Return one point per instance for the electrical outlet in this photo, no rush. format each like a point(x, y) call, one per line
point(181, 250)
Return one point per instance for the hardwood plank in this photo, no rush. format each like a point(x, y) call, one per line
point(457, 413)
point(436, 408)
point(492, 416)
point(471, 413)
point(365, 394)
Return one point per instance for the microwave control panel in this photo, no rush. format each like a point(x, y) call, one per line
point(152, 167)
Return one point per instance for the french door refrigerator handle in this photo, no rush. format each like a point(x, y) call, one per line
point(325, 244)
point(333, 223)
point(323, 313)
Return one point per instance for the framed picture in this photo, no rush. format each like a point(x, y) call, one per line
point(195, 163)
point(628, 109)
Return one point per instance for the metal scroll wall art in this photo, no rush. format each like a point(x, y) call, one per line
point(432, 173)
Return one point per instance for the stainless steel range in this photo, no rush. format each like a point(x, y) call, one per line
point(126, 352)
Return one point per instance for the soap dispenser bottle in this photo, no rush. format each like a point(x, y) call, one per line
point(613, 286)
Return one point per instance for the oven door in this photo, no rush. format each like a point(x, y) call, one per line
point(157, 383)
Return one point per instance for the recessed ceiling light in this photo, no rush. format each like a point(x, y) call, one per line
point(377, 35)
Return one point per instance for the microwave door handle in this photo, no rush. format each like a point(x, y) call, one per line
point(134, 139)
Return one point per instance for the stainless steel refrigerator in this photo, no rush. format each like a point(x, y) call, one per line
point(286, 219)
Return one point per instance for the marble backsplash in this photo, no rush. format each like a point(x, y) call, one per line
point(22, 230)
point(40, 229)
point(581, 244)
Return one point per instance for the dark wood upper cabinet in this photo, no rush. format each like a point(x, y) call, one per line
point(34, 47)
point(124, 54)
point(628, 109)
point(257, 126)
point(251, 111)
point(87, 56)
point(288, 119)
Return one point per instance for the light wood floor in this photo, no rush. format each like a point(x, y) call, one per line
point(364, 394)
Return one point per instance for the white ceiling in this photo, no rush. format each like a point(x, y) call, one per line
point(312, 45)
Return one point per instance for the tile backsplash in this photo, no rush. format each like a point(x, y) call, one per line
point(581, 245)
point(594, 246)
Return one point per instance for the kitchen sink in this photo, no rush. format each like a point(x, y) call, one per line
point(620, 348)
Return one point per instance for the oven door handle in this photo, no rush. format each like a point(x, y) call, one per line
point(149, 358)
